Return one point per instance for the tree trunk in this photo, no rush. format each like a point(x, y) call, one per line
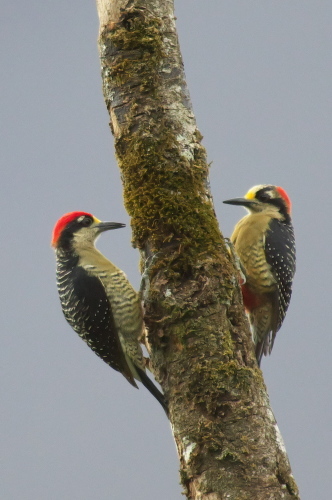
point(201, 350)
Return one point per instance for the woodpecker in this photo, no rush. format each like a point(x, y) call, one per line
point(97, 299)
point(264, 242)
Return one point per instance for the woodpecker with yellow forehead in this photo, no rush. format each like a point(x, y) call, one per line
point(97, 299)
point(264, 242)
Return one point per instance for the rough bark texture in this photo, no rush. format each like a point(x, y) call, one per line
point(228, 442)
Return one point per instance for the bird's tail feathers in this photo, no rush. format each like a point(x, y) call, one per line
point(147, 382)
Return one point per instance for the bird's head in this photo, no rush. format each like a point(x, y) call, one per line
point(265, 197)
point(77, 228)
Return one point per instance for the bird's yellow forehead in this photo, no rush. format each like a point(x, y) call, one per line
point(95, 220)
point(251, 194)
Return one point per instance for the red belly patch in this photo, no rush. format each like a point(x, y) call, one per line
point(250, 299)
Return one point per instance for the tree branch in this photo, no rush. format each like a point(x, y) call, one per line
point(227, 439)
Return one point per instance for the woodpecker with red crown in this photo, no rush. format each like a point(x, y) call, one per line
point(264, 242)
point(97, 299)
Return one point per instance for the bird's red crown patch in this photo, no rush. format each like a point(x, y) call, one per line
point(286, 198)
point(62, 223)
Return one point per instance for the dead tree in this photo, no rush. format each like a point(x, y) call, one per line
point(201, 351)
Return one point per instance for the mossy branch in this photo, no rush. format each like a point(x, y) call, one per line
point(201, 350)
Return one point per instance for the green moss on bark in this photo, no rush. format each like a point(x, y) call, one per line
point(163, 193)
point(137, 43)
point(163, 185)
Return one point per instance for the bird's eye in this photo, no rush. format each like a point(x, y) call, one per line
point(86, 221)
point(264, 197)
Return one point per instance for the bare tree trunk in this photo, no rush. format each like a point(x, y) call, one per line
point(227, 439)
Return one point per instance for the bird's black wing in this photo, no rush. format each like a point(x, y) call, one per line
point(89, 312)
point(280, 254)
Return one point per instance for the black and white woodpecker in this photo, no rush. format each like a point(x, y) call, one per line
point(264, 242)
point(97, 299)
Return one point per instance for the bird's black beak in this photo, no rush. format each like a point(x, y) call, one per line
point(243, 202)
point(106, 226)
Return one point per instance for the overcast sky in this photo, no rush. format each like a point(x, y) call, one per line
point(259, 75)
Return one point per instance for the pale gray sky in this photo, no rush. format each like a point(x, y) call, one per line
point(260, 76)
